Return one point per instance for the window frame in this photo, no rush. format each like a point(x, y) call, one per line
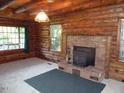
point(61, 48)
point(118, 39)
point(13, 50)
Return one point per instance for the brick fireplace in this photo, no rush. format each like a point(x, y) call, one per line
point(100, 43)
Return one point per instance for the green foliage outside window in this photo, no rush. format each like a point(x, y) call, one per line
point(122, 41)
point(56, 31)
point(11, 37)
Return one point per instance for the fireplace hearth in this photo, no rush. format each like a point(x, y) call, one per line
point(83, 56)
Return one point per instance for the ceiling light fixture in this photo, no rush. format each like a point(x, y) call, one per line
point(41, 17)
point(50, 1)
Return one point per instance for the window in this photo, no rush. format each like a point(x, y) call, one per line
point(11, 38)
point(121, 56)
point(55, 31)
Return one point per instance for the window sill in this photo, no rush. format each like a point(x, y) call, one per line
point(6, 52)
point(55, 51)
point(121, 61)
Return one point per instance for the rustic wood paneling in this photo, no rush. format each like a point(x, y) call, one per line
point(102, 21)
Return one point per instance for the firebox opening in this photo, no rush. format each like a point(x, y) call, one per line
point(83, 56)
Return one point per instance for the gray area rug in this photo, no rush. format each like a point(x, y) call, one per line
point(56, 81)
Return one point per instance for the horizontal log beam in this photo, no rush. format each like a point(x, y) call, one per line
point(6, 4)
point(29, 6)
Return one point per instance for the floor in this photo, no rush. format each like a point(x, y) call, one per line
point(13, 74)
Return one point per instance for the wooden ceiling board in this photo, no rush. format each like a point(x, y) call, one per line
point(19, 3)
point(60, 5)
point(29, 8)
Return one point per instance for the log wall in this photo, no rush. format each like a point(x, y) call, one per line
point(102, 21)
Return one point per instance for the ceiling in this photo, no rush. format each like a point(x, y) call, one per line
point(27, 9)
